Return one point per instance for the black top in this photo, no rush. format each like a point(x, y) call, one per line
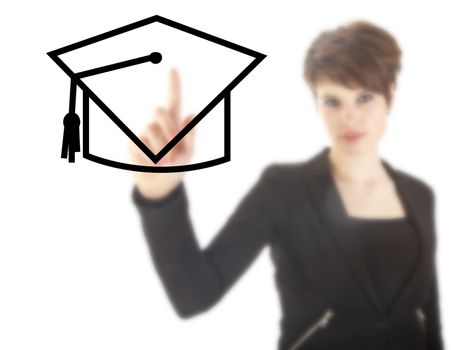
point(390, 247)
point(325, 290)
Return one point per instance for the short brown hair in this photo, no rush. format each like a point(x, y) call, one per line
point(358, 54)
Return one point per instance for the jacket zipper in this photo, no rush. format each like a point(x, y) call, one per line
point(421, 317)
point(319, 324)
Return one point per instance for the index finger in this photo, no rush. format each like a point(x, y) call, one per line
point(174, 95)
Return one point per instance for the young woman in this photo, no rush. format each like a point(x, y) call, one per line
point(352, 238)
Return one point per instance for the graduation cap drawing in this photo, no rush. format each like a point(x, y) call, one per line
point(117, 60)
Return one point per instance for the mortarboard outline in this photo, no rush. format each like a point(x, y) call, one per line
point(71, 141)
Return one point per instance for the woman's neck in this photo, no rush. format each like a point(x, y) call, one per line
point(365, 168)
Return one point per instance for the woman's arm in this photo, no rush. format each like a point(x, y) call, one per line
point(432, 304)
point(196, 279)
point(433, 317)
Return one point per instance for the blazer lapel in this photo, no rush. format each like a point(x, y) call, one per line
point(416, 284)
point(326, 199)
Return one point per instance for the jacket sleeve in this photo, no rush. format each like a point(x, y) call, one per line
point(195, 279)
point(433, 317)
point(432, 304)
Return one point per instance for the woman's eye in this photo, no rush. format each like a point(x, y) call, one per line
point(366, 98)
point(331, 103)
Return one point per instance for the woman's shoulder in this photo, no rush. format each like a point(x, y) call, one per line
point(284, 175)
point(415, 182)
point(280, 169)
point(283, 171)
point(292, 171)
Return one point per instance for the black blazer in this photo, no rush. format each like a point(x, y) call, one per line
point(326, 295)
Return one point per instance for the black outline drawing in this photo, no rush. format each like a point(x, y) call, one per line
point(70, 138)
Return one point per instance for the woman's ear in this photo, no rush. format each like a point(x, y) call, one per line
point(392, 89)
point(315, 100)
point(392, 94)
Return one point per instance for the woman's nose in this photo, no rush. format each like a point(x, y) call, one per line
point(350, 116)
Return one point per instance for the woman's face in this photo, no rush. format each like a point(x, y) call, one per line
point(355, 118)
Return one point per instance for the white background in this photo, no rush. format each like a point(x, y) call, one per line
point(75, 272)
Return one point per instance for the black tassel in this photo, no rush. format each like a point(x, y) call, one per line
point(71, 137)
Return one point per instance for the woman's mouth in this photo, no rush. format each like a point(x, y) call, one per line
point(352, 136)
